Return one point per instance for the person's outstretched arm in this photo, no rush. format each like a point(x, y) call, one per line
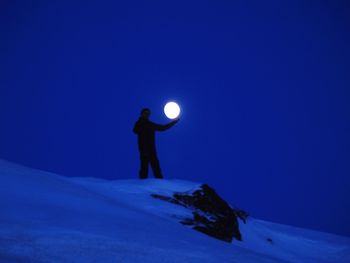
point(159, 127)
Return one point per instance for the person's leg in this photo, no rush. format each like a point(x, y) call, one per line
point(156, 166)
point(143, 167)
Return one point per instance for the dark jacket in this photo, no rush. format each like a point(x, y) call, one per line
point(145, 129)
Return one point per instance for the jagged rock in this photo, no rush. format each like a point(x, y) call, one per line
point(211, 214)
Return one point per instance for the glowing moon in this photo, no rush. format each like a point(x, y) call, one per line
point(172, 110)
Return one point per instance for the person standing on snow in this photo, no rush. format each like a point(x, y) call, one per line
point(145, 130)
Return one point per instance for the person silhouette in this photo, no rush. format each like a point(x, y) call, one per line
point(145, 130)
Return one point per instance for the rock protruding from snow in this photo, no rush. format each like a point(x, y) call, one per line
point(211, 214)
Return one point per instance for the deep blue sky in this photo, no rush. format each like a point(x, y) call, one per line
point(264, 89)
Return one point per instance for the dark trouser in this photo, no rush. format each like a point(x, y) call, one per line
point(153, 160)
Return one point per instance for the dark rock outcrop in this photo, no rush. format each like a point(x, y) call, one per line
point(211, 214)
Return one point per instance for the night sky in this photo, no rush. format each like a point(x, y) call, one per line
point(263, 86)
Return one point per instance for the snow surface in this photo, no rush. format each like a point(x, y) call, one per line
point(45, 217)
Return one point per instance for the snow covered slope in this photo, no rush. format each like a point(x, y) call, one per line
point(49, 218)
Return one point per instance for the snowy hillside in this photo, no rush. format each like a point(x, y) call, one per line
point(49, 218)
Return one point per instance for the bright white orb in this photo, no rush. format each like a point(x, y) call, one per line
point(172, 110)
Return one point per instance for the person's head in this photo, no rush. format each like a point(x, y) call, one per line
point(145, 113)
